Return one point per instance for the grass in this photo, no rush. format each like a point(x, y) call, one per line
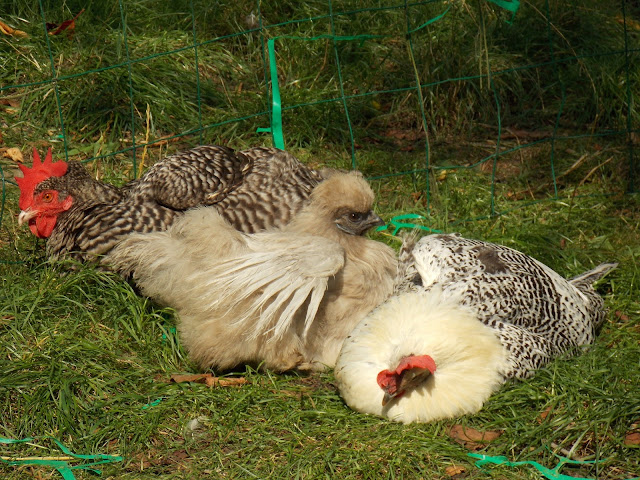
point(88, 361)
point(84, 355)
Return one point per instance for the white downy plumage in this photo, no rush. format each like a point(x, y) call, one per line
point(468, 355)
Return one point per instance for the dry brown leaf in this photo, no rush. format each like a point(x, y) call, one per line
point(10, 106)
point(472, 438)
point(225, 382)
point(10, 102)
point(622, 316)
point(68, 26)
point(12, 32)
point(455, 471)
point(544, 414)
point(633, 435)
point(14, 154)
point(198, 378)
point(632, 439)
point(208, 379)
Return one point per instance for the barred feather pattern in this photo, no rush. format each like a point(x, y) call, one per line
point(253, 189)
point(536, 313)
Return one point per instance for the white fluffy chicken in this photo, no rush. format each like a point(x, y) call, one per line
point(420, 357)
point(282, 298)
point(467, 316)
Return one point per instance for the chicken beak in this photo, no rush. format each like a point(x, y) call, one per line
point(374, 220)
point(26, 215)
point(388, 397)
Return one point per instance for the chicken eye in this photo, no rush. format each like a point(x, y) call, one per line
point(355, 216)
point(47, 197)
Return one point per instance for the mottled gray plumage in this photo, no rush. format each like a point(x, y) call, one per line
point(253, 190)
point(536, 313)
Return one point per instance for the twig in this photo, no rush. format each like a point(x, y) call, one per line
point(146, 141)
point(592, 171)
point(23, 459)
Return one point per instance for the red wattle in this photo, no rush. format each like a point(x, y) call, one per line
point(44, 226)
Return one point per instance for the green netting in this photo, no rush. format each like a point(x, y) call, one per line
point(531, 80)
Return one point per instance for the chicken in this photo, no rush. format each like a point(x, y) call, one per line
point(467, 315)
point(283, 298)
point(82, 217)
point(420, 357)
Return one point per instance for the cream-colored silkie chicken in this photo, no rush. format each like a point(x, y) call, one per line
point(282, 298)
point(467, 315)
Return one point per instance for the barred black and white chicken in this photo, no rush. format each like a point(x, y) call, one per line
point(466, 316)
point(81, 217)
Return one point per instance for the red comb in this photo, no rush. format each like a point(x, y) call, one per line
point(38, 172)
point(389, 378)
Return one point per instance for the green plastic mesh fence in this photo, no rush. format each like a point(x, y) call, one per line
point(496, 88)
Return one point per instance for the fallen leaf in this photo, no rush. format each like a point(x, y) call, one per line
point(544, 414)
point(12, 32)
point(622, 316)
point(68, 26)
point(455, 471)
point(632, 439)
point(14, 154)
point(10, 106)
point(208, 379)
point(225, 382)
point(180, 455)
point(472, 438)
point(633, 435)
point(198, 378)
point(10, 102)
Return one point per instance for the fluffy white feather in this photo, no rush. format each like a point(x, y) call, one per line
point(469, 358)
point(481, 312)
